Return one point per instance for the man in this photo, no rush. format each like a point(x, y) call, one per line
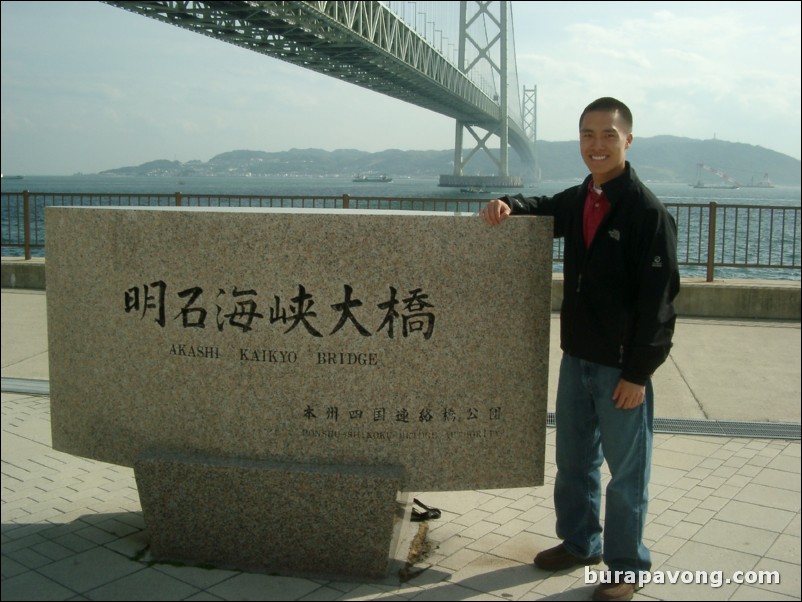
point(616, 325)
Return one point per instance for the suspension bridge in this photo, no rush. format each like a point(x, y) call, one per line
point(454, 58)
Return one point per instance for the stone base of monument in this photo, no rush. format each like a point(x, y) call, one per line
point(276, 517)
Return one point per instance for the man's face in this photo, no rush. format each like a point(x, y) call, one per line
point(603, 142)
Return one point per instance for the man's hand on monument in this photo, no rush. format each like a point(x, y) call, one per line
point(495, 212)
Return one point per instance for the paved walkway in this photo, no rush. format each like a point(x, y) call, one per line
point(723, 508)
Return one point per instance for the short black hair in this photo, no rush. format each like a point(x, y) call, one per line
point(607, 103)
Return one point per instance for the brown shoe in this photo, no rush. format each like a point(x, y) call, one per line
point(559, 558)
point(613, 592)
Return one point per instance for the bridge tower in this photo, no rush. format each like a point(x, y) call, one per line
point(530, 124)
point(493, 53)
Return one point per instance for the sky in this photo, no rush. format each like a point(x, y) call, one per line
point(88, 87)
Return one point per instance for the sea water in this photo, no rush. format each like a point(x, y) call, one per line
point(400, 187)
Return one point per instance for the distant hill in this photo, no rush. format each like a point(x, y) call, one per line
point(659, 158)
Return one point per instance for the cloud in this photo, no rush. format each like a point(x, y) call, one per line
point(686, 70)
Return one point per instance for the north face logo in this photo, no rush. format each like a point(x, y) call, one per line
point(614, 234)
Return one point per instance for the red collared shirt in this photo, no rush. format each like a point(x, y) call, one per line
point(596, 207)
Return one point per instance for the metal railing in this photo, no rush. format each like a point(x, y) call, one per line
point(710, 236)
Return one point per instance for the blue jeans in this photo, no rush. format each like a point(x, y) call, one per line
point(587, 423)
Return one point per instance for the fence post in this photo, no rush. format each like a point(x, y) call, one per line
point(177, 199)
point(711, 240)
point(26, 222)
point(346, 201)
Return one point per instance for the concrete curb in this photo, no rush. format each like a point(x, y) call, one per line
point(23, 273)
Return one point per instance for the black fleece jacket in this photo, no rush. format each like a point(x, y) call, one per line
point(618, 296)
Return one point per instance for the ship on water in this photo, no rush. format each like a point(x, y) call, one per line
point(370, 177)
point(731, 183)
point(764, 183)
point(719, 186)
